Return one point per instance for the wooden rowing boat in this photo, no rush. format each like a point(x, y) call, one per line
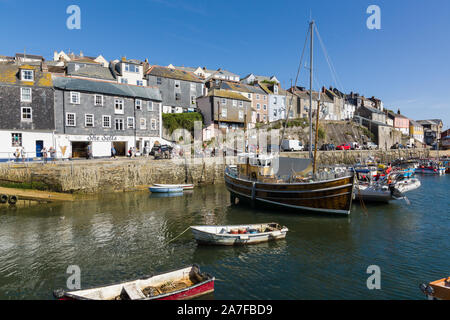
point(437, 290)
point(238, 234)
point(156, 189)
point(182, 284)
point(184, 186)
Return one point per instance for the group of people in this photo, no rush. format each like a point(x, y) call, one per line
point(21, 153)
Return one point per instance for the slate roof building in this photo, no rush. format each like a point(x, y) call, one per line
point(102, 115)
point(27, 106)
point(179, 88)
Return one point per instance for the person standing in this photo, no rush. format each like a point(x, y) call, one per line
point(113, 152)
point(17, 154)
point(23, 153)
point(44, 154)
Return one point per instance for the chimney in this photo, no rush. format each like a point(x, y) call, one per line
point(44, 67)
point(81, 54)
point(124, 59)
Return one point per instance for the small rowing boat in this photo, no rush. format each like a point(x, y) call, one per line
point(372, 193)
point(238, 234)
point(437, 290)
point(407, 185)
point(182, 284)
point(156, 189)
point(184, 186)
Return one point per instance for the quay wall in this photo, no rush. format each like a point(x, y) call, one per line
point(99, 176)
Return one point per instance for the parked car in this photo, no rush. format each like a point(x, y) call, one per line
point(369, 146)
point(307, 147)
point(328, 147)
point(345, 146)
point(355, 146)
point(162, 151)
point(291, 145)
point(398, 146)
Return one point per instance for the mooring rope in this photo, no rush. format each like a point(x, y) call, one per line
point(179, 234)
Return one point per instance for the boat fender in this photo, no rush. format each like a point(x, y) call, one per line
point(3, 198)
point(58, 293)
point(12, 199)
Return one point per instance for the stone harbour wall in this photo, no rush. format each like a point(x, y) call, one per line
point(100, 176)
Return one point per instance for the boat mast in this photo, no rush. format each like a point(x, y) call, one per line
point(317, 136)
point(311, 30)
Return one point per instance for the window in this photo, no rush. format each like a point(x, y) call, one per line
point(25, 94)
point(150, 106)
point(143, 124)
point(70, 120)
point(27, 75)
point(139, 82)
point(98, 100)
point(234, 103)
point(193, 100)
point(224, 101)
point(275, 89)
point(130, 122)
point(258, 106)
point(241, 114)
point(119, 124)
point(224, 113)
point(274, 100)
point(138, 104)
point(106, 121)
point(177, 96)
point(177, 84)
point(89, 120)
point(241, 103)
point(131, 68)
point(249, 95)
point(124, 81)
point(26, 114)
point(265, 117)
point(158, 80)
point(118, 106)
point(265, 97)
point(16, 139)
point(257, 96)
point(153, 124)
point(75, 97)
point(265, 107)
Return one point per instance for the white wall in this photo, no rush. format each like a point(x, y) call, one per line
point(28, 142)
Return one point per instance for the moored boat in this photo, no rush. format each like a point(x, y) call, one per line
point(407, 185)
point(437, 290)
point(373, 193)
point(184, 186)
point(181, 284)
point(156, 189)
point(238, 234)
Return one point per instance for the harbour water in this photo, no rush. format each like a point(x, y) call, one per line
point(125, 236)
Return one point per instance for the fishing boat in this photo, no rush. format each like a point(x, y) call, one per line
point(373, 192)
point(182, 284)
point(294, 183)
point(184, 186)
point(238, 234)
point(437, 290)
point(156, 189)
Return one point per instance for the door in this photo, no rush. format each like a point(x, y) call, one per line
point(39, 147)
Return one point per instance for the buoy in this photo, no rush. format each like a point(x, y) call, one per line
point(3, 198)
point(12, 200)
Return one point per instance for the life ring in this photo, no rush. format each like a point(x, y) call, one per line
point(3, 198)
point(12, 200)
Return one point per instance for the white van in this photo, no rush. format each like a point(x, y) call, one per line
point(291, 145)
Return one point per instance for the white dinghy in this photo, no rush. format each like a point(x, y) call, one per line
point(238, 234)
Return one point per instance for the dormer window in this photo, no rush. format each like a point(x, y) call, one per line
point(27, 75)
point(131, 68)
point(275, 89)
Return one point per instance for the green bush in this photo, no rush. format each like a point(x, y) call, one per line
point(173, 121)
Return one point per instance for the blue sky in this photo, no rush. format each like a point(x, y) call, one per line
point(406, 63)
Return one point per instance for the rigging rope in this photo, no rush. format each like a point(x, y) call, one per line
point(179, 235)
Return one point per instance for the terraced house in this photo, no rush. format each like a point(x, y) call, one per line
point(223, 109)
point(100, 114)
point(179, 89)
point(27, 106)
